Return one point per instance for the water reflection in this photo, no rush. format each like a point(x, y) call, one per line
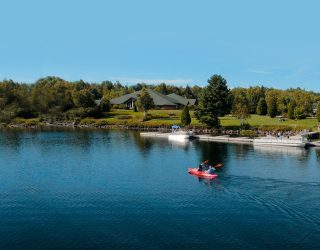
point(318, 154)
point(300, 154)
point(214, 152)
point(181, 144)
point(292, 151)
point(240, 150)
point(11, 139)
point(144, 144)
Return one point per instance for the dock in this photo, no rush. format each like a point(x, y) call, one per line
point(222, 138)
point(154, 134)
point(230, 139)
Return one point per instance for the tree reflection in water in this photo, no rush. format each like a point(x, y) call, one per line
point(214, 152)
point(144, 144)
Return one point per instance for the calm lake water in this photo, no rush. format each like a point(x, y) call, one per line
point(95, 189)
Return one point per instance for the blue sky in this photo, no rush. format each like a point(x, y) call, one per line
point(274, 43)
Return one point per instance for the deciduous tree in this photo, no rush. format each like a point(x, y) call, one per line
point(241, 108)
point(291, 107)
point(144, 102)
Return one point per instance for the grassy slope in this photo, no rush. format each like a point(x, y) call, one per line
point(170, 117)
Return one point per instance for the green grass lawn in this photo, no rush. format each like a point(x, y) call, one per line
point(170, 117)
point(258, 120)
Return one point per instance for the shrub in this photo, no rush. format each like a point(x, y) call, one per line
point(123, 117)
point(119, 106)
point(6, 117)
point(25, 122)
point(245, 126)
point(276, 128)
point(83, 113)
point(248, 133)
point(32, 122)
point(88, 121)
point(104, 105)
point(146, 117)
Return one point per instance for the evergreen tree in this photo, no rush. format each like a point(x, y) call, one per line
point(188, 93)
point(291, 108)
point(185, 116)
point(213, 101)
point(272, 107)
point(262, 108)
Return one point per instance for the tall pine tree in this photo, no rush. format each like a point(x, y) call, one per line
point(272, 107)
point(213, 102)
point(185, 116)
point(262, 108)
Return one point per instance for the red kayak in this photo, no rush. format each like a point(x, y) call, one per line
point(195, 171)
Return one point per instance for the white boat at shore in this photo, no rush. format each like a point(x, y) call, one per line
point(281, 141)
point(180, 135)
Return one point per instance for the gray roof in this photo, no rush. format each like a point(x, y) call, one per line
point(124, 98)
point(158, 99)
point(181, 100)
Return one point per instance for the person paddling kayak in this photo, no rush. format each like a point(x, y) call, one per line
point(211, 170)
point(203, 165)
point(210, 173)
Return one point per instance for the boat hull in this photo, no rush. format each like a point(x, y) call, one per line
point(194, 171)
point(179, 137)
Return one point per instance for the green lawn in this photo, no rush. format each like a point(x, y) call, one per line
point(170, 117)
point(257, 120)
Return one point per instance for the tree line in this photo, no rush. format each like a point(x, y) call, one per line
point(57, 99)
point(217, 100)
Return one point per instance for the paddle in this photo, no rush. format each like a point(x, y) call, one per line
point(218, 165)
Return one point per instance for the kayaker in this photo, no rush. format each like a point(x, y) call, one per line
point(203, 165)
point(211, 170)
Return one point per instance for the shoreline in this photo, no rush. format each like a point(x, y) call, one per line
point(222, 135)
point(223, 130)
